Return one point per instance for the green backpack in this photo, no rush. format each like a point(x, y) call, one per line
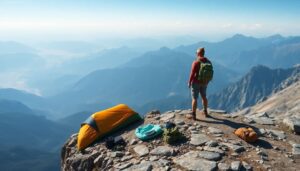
point(172, 135)
point(206, 72)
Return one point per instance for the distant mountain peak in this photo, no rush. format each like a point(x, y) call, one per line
point(259, 68)
point(164, 48)
point(239, 38)
point(276, 36)
point(238, 35)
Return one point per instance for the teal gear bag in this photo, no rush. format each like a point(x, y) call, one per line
point(148, 131)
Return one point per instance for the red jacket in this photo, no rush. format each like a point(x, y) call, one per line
point(195, 69)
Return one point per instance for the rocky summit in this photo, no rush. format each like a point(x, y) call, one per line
point(209, 145)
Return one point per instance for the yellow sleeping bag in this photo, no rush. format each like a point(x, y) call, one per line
point(104, 122)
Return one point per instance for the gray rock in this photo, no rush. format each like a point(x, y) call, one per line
point(223, 167)
point(153, 112)
point(296, 151)
point(167, 117)
point(264, 121)
point(213, 130)
point(143, 166)
point(262, 131)
point(192, 128)
point(234, 154)
point(98, 160)
point(199, 139)
point(210, 155)
point(194, 132)
point(218, 135)
point(192, 163)
point(235, 165)
point(293, 124)
point(153, 158)
point(262, 114)
point(133, 141)
point(235, 148)
point(157, 117)
point(248, 120)
point(163, 162)
point(126, 158)
point(179, 122)
point(214, 149)
point(123, 165)
point(212, 143)
point(235, 142)
point(162, 151)
point(141, 150)
point(246, 166)
point(116, 154)
point(277, 134)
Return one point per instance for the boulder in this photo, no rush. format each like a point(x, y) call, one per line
point(214, 149)
point(235, 148)
point(199, 139)
point(190, 162)
point(210, 155)
point(143, 166)
point(223, 167)
point(235, 165)
point(167, 117)
point(162, 151)
point(293, 124)
point(213, 130)
point(246, 166)
point(296, 151)
point(123, 165)
point(264, 121)
point(212, 143)
point(277, 134)
point(179, 122)
point(141, 150)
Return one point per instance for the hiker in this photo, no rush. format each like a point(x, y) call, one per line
point(201, 74)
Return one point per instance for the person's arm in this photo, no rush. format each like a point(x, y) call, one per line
point(192, 74)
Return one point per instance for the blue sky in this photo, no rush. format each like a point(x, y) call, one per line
point(138, 18)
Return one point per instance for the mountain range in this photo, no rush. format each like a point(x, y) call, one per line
point(150, 77)
point(153, 80)
point(240, 53)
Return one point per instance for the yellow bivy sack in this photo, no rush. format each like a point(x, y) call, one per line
point(105, 122)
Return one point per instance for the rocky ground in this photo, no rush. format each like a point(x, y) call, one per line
point(210, 145)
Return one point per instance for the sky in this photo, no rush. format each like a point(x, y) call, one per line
point(88, 19)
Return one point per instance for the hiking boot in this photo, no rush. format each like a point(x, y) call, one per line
point(191, 116)
point(194, 116)
point(205, 113)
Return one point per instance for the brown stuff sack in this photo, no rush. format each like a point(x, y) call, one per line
point(247, 134)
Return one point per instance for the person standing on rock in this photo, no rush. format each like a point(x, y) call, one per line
point(201, 74)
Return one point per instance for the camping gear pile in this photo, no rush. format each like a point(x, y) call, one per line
point(170, 132)
point(108, 121)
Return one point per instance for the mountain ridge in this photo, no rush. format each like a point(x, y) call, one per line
point(255, 85)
